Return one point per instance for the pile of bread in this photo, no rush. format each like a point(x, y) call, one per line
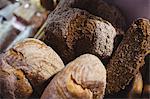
point(89, 54)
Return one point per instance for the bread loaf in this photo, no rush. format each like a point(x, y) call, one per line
point(83, 78)
point(26, 67)
point(129, 56)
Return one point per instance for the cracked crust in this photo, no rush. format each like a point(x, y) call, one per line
point(32, 63)
point(83, 78)
point(13, 83)
point(129, 56)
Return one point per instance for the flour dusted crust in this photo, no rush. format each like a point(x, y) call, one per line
point(79, 32)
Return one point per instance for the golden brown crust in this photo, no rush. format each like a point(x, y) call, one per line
point(137, 86)
point(13, 82)
point(83, 78)
point(32, 63)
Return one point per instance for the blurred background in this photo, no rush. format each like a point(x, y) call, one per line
point(21, 19)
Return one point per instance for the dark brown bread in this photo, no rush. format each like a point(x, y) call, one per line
point(26, 68)
point(129, 56)
point(73, 29)
point(49, 4)
point(83, 78)
point(104, 10)
point(79, 32)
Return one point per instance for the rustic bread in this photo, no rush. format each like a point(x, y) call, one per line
point(83, 78)
point(129, 56)
point(29, 64)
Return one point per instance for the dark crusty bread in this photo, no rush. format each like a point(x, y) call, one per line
point(79, 32)
point(99, 8)
point(73, 29)
point(129, 56)
point(104, 10)
point(83, 78)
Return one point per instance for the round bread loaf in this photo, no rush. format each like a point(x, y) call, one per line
point(83, 78)
point(26, 67)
